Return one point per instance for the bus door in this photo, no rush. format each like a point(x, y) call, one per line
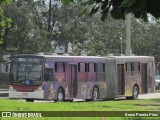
point(144, 77)
point(121, 79)
point(73, 80)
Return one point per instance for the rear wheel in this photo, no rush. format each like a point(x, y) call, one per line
point(135, 92)
point(95, 94)
point(60, 95)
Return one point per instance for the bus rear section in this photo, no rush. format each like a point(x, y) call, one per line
point(26, 78)
point(135, 75)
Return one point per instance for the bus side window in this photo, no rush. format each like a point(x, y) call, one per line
point(128, 66)
point(136, 66)
point(82, 67)
point(91, 67)
point(100, 67)
point(59, 67)
point(48, 74)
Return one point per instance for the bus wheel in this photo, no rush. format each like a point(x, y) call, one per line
point(60, 95)
point(29, 100)
point(95, 94)
point(135, 92)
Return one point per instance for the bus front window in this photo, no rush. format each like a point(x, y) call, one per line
point(26, 71)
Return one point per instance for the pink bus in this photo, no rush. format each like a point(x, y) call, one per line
point(64, 78)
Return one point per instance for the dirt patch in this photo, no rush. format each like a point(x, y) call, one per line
point(155, 104)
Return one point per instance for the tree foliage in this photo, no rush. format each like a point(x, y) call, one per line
point(4, 22)
point(29, 30)
point(27, 33)
point(4, 25)
point(119, 8)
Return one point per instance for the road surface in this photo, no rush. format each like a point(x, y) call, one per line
point(149, 96)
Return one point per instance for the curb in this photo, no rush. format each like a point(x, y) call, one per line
point(4, 95)
point(1, 89)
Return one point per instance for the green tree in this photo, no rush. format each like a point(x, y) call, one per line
point(4, 22)
point(145, 38)
point(119, 8)
point(27, 34)
point(4, 25)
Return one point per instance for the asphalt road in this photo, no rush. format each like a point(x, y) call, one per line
point(4, 93)
point(149, 96)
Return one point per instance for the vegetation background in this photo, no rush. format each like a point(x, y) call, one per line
point(35, 23)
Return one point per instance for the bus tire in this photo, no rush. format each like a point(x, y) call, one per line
point(95, 94)
point(29, 100)
point(60, 95)
point(135, 92)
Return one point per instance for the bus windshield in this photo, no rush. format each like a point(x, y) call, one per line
point(26, 73)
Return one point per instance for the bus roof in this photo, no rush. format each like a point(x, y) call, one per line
point(82, 56)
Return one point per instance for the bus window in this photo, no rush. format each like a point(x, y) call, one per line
point(100, 67)
point(82, 67)
point(136, 66)
point(59, 67)
point(48, 74)
point(91, 67)
point(128, 66)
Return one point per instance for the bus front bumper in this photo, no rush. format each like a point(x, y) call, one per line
point(25, 95)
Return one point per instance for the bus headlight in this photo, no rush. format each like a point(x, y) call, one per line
point(11, 88)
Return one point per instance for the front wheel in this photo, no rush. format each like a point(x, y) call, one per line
point(60, 95)
point(95, 94)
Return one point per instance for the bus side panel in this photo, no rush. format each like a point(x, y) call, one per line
point(132, 77)
point(85, 89)
point(130, 81)
point(51, 88)
point(111, 78)
point(144, 79)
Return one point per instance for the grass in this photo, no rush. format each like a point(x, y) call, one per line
point(114, 105)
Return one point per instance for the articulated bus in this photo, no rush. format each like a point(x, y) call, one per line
point(64, 78)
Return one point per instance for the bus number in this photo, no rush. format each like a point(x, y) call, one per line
point(22, 59)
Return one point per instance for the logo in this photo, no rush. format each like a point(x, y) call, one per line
point(28, 82)
point(6, 114)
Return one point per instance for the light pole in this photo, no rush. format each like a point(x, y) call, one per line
point(128, 35)
point(121, 42)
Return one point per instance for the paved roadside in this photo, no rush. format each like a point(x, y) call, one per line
point(4, 93)
point(3, 89)
point(149, 96)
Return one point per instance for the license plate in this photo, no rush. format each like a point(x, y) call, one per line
point(25, 94)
